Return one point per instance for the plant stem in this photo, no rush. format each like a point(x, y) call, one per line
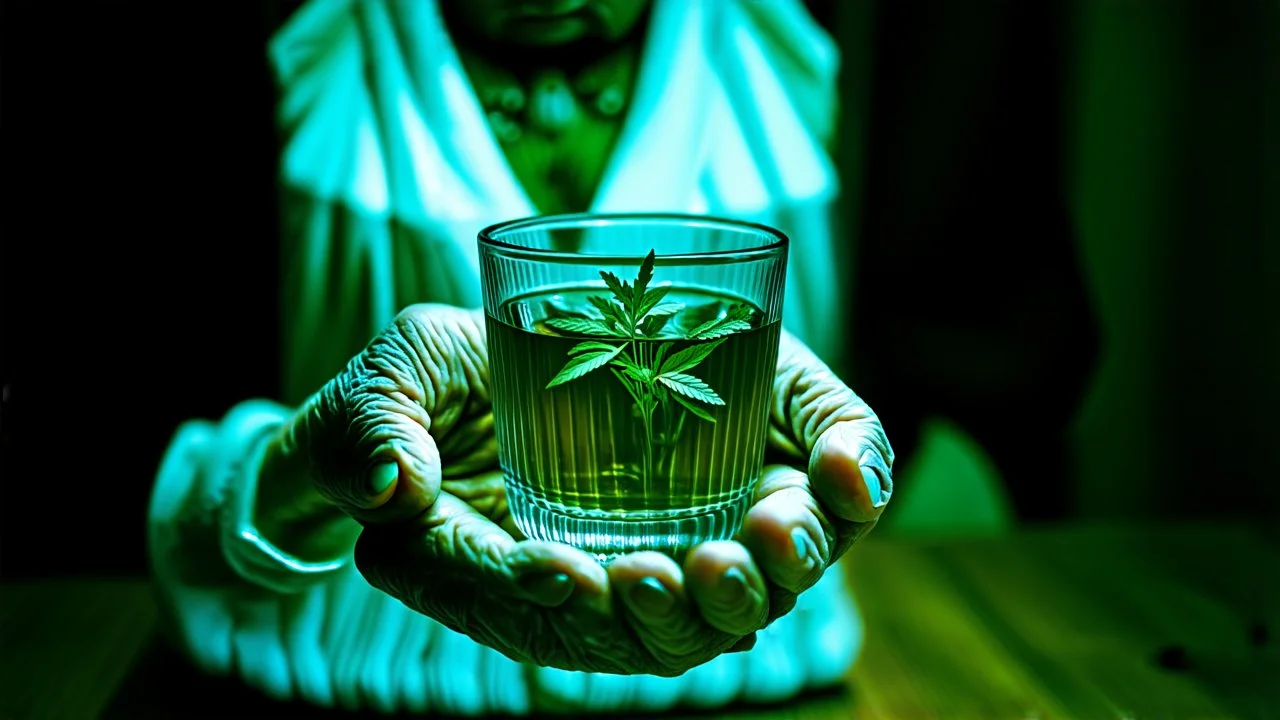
point(646, 415)
point(647, 486)
point(673, 433)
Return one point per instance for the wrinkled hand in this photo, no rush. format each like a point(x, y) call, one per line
point(402, 441)
point(801, 522)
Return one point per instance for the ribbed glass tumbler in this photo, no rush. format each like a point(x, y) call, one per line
point(631, 362)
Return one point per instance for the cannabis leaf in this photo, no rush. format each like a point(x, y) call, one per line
point(735, 320)
point(653, 374)
point(584, 360)
point(580, 326)
point(689, 357)
point(694, 409)
point(690, 387)
point(652, 325)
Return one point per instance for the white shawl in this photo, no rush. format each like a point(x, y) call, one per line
point(389, 168)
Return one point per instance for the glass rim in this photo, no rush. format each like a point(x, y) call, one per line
point(772, 239)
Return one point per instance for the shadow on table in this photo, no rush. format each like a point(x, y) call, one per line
point(164, 684)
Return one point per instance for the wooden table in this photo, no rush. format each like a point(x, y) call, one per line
point(1058, 623)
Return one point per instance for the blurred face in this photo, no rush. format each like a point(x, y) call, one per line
point(544, 23)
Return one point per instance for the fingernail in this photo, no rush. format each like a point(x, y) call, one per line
point(547, 588)
point(806, 551)
point(872, 479)
point(381, 477)
point(732, 586)
point(651, 597)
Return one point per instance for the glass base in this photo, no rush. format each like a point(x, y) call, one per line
point(606, 535)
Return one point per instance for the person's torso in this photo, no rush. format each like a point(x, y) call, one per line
point(392, 133)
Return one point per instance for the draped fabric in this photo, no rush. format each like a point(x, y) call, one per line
point(387, 172)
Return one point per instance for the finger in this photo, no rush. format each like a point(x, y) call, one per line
point(786, 530)
point(439, 563)
point(388, 469)
point(536, 565)
point(540, 603)
point(374, 432)
point(816, 419)
point(727, 587)
point(849, 474)
point(651, 590)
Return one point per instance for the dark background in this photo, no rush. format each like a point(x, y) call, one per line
point(1061, 224)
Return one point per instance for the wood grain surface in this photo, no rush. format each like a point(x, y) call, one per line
point(1173, 621)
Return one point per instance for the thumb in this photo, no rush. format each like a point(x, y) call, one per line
point(401, 476)
point(370, 449)
point(818, 420)
point(369, 430)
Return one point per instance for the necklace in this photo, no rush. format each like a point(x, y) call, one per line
point(548, 101)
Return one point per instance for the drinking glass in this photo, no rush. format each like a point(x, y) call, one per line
point(631, 362)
